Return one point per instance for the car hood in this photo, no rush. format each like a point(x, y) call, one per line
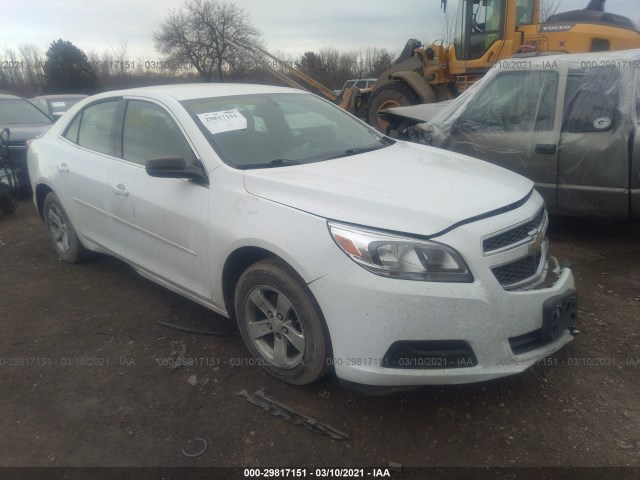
point(404, 187)
point(416, 113)
point(22, 133)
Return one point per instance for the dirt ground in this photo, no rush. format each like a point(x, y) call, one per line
point(85, 377)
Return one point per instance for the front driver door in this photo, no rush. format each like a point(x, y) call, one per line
point(514, 122)
point(161, 222)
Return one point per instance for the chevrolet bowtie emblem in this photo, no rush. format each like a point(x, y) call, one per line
point(538, 239)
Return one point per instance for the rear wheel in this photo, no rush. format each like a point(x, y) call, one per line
point(61, 233)
point(281, 323)
point(396, 94)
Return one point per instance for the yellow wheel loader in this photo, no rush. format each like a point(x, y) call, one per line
point(487, 32)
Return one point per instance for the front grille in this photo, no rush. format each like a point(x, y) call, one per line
point(515, 235)
point(518, 271)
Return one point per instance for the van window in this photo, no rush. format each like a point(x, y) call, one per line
point(514, 101)
point(591, 100)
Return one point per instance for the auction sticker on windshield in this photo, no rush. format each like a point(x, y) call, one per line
point(223, 121)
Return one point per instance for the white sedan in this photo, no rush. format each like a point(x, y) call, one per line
point(331, 245)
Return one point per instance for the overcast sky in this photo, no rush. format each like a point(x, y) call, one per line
point(289, 26)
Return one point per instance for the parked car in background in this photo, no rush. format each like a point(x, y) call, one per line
point(24, 122)
point(568, 122)
point(331, 245)
point(361, 83)
point(56, 105)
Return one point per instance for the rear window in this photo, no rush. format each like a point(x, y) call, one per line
point(20, 112)
point(591, 100)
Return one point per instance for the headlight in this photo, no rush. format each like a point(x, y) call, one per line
point(399, 257)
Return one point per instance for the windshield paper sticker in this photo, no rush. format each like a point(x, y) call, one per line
point(224, 121)
point(58, 104)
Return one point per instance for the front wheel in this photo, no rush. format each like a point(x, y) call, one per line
point(281, 323)
point(396, 94)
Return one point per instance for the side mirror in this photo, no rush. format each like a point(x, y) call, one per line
point(174, 167)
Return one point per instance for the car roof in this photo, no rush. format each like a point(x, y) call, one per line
point(62, 95)
point(595, 58)
point(8, 96)
point(187, 91)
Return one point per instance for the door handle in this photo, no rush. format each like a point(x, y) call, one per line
point(120, 189)
point(63, 167)
point(546, 148)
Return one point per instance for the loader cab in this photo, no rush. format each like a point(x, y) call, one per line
point(479, 24)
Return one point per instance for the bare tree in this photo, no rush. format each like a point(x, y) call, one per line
point(447, 28)
point(549, 8)
point(197, 34)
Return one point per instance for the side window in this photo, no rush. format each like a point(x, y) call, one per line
point(486, 26)
point(150, 132)
point(73, 128)
point(591, 100)
point(361, 84)
point(524, 12)
point(513, 102)
point(95, 127)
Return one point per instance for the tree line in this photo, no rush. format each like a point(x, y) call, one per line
point(194, 43)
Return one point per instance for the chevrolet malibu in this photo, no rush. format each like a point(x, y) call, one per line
point(331, 245)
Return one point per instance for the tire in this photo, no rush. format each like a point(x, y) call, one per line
point(61, 233)
point(281, 323)
point(395, 94)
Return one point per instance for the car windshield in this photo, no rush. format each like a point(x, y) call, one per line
point(280, 129)
point(20, 112)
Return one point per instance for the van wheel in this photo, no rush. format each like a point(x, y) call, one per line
point(281, 323)
point(61, 233)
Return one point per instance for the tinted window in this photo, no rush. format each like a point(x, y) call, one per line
point(591, 100)
point(514, 101)
point(150, 132)
point(20, 112)
point(95, 127)
point(250, 131)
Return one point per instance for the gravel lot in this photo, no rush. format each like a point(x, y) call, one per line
point(85, 377)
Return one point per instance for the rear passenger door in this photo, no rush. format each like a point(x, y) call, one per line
point(593, 164)
point(514, 122)
point(81, 170)
point(160, 223)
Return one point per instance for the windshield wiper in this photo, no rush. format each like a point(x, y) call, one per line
point(278, 162)
point(357, 150)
